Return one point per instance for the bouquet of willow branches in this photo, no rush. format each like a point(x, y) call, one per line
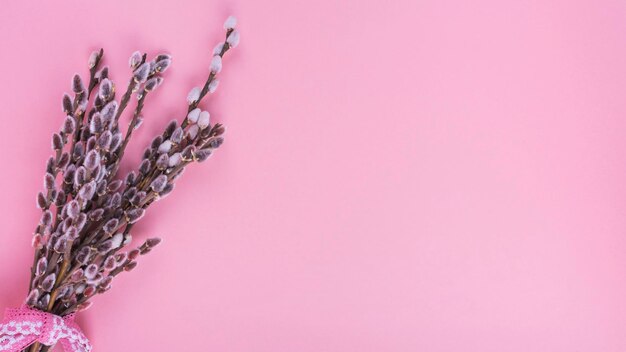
point(88, 211)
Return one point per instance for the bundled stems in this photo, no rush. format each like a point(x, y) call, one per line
point(88, 210)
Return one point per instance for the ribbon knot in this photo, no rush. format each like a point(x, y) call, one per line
point(22, 327)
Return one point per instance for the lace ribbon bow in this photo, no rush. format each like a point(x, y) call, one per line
point(23, 326)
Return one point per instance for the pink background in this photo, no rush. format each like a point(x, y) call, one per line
point(398, 175)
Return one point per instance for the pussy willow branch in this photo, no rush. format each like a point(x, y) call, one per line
point(87, 218)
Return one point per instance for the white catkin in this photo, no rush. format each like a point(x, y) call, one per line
point(165, 147)
point(193, 115)
point(230, 22)
point(216, 64)
point(218, 48)
point(194, 95)
point(233, 38)
point(117, 240)
point(175, 159)
point(213, 85)
point(193, 131)
point(203, 120)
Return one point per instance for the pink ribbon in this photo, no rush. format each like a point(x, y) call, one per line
point(24, 326)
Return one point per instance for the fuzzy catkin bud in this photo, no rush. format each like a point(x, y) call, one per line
point(110, 263)
point(103, 73)
point(156, 142)
point(61, 244)
point(213, 85)
point(72, 232)
point(230, 23)
point(132, 255)
point(57, 142)
point(233, 38)
point(48, 181)
point(95, 125)
point(106, 89)
point(79, 151)
point(192, 132)
point(162, 65)
point(104, 142)
point(193, 115)
point(50, 165)
point(175, 159)
point(203, 154)
point(42, 265)
point(37, 241)
point(48, 283)
point(92, 159)
point(65, 291)
point(96, 214)
point(165, 146)
point(105, 285)
point(110, 226)
point(82, 103)
point(115, 185)
point(73, 209)
point(116, 200)
point(69, 124)
point(145, 166)
point(153, 242)
point(117, 240)
point(60, 199)
point(130, 178)
point(79, 176)
point(46, 218)
point(193, 96)
point(105, 247)
point(109, 111)
point(162, 162)
point(77, 84)
point(203, 119)
point(91, 271)
point(42, 202)
point(77, 275)
point(167, 190)
point(63, 160)
point(215, 142)
point(159, 183)
point(177, 135)
point(216, 64)
point(116, 141)
point(87, 191)
point(135, 60)
point(94, 58)
point(218, 48)
point(163, 57)
point(169, 129)
point(32, 298)
point(44, 301)
point(130, 266)
point(67, 104)
point(120, 258)
point(89, 291)
point(153, 83)
point(188, 152)
point(141, 73)
point(83, 255)
point(134, 215)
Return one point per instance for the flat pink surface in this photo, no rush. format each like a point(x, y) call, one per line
point(397, 176)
